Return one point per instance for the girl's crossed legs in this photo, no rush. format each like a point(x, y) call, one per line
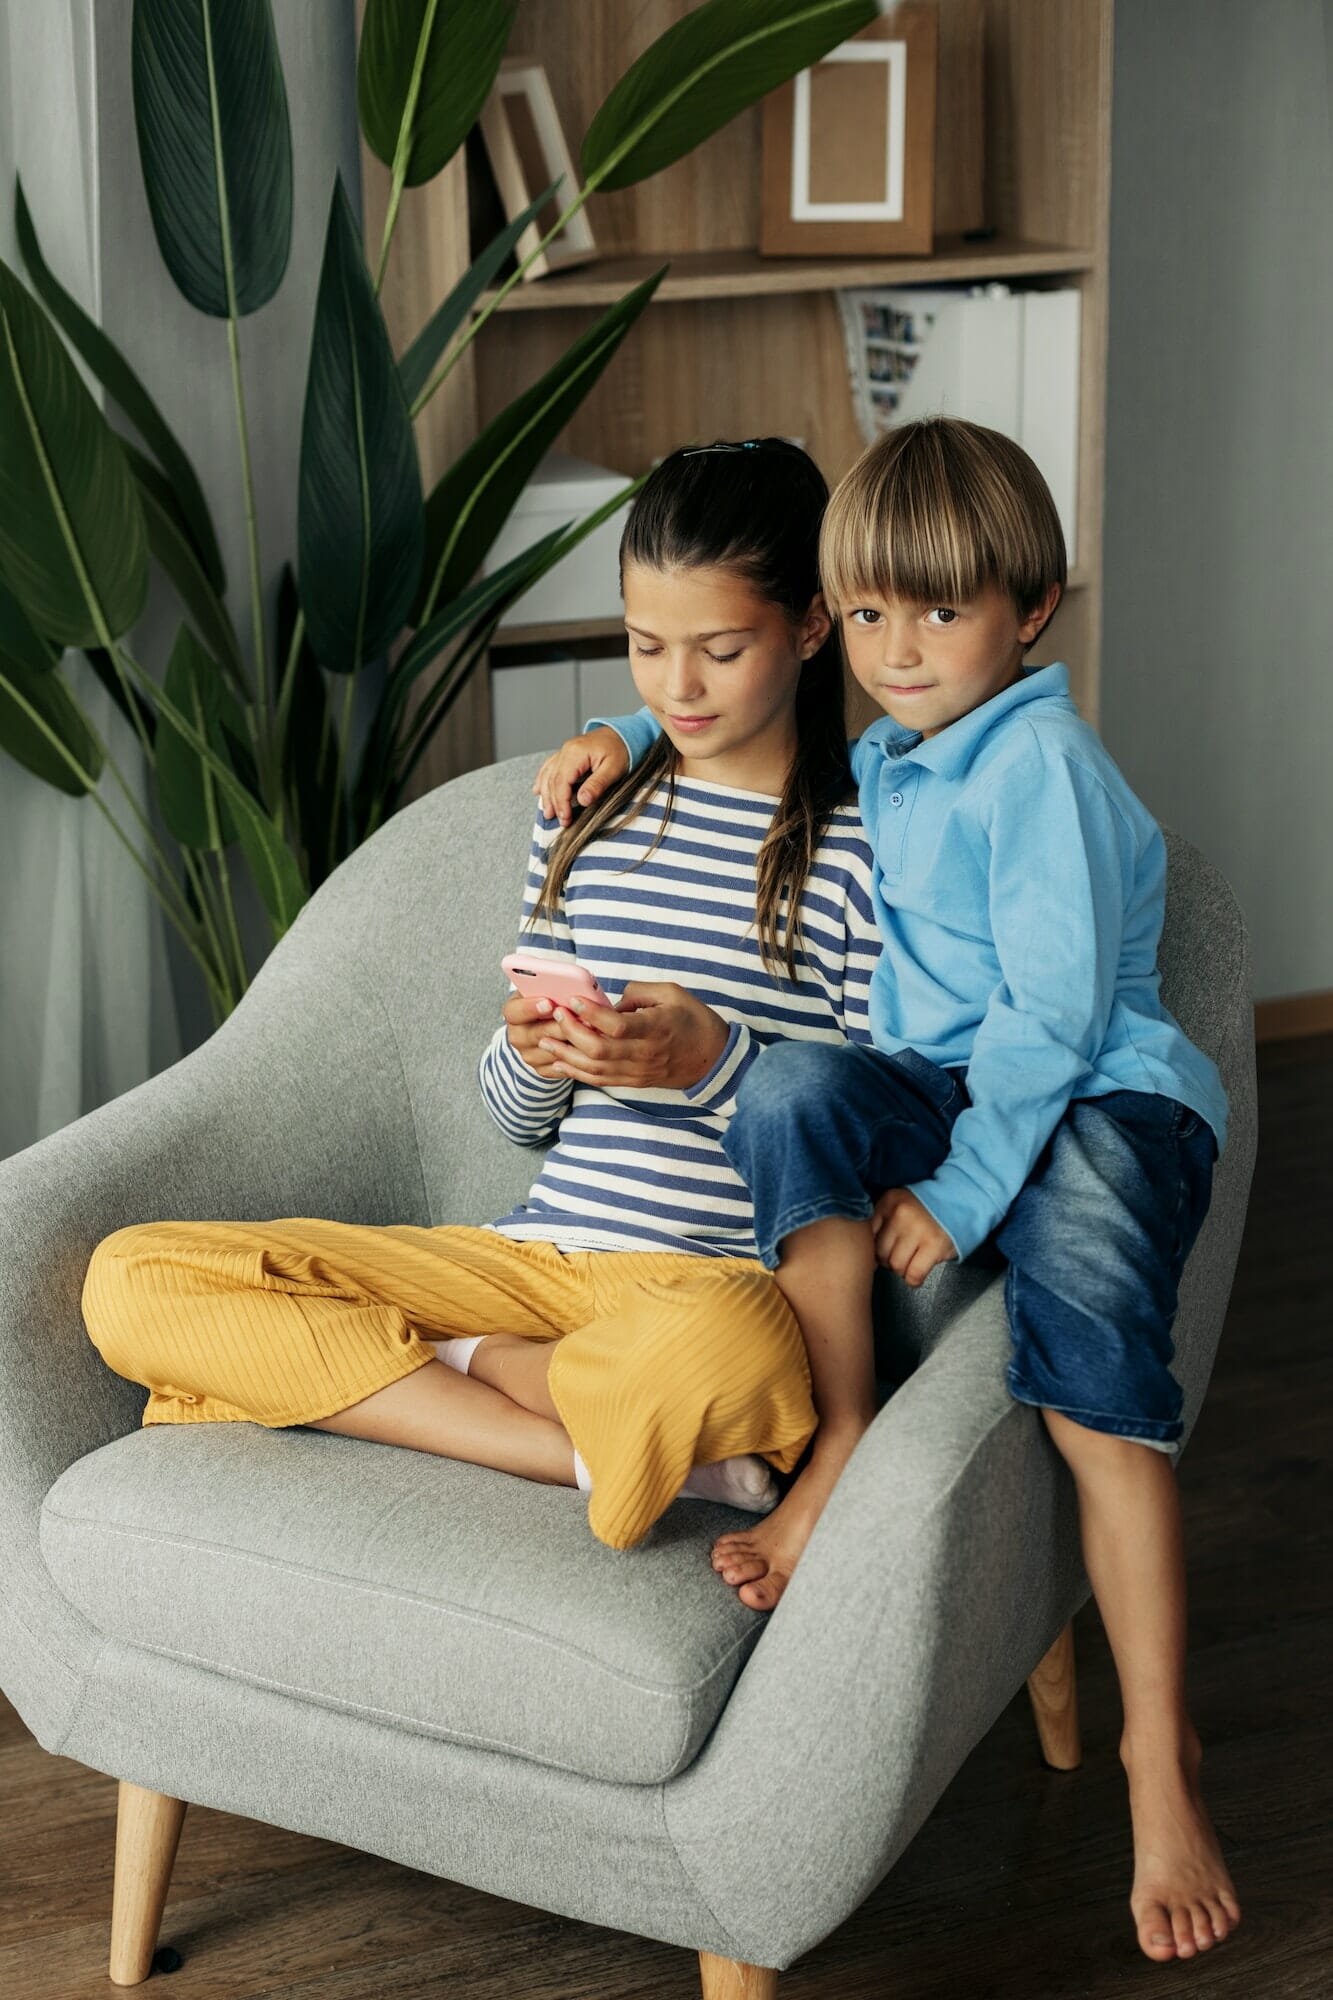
point(651, 1362)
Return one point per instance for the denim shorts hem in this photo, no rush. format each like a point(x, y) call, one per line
point(813, 1211)
point(1140, 1430)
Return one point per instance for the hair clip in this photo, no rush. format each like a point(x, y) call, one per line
point(696, 451)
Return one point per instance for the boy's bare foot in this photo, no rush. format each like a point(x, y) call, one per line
point(758, 1562)
point(1183, 1899)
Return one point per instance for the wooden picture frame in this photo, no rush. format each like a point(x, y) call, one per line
point(849, 146)
point(527, 150)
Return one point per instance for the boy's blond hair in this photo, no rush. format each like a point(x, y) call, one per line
point(935, 511)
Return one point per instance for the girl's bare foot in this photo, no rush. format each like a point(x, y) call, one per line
point(758, 1562)
point(1183, 1899)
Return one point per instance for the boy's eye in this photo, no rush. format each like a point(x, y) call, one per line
point(945, 611)
point(866, 614)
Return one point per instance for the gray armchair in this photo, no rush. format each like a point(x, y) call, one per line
point(438, 1663)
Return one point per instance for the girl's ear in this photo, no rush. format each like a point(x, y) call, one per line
point(815, 626)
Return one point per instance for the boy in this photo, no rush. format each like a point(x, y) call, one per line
point(1026, 1084)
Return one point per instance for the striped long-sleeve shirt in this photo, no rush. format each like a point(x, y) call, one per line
point(645, 1169)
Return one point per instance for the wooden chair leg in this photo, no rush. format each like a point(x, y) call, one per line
point(730, 1979)
point(1054, 1693)
point(148, 1827)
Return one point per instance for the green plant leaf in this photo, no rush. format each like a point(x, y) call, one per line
point(124, 387)
point(498, 589)
point(471, 503)
point(701, 72)
point(100, 662)
point(415, 367)
point(360, 522)
point(466, 40)
point(169, 543)
point(484, 615)
point(487, 592)
point(210, 109)
point(308, 747)
point(19, 641)
point(186, 788)
point(272, 864)
point(22, 738)
point(70, 520)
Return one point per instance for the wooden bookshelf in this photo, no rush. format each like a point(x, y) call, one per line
point(738, 345)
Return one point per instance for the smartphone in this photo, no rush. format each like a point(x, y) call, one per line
point(552, 975)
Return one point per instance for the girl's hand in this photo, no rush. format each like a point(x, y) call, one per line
point(527, 1021)
point(907, 1237)
point(599, 758)
point(660, 1037)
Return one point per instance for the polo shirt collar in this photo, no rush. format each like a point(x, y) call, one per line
point(950, 753)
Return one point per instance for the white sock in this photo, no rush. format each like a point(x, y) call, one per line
point(457, 1353)
point(745, 1482)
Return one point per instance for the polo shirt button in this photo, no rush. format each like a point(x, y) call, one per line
point(895, 798)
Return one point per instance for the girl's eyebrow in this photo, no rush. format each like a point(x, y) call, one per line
point(723, 632)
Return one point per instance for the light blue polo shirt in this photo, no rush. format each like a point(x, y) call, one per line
point(1020, 889)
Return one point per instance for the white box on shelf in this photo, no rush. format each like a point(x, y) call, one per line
point(536, 706)
point(586, 584)
point(533, 707)
point(1006, 359)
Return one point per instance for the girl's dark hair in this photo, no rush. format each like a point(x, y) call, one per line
point(753, 508)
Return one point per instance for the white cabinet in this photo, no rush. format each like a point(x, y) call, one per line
point(536, 706)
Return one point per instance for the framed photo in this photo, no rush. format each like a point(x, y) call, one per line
point(849, 146)
point(527, 151)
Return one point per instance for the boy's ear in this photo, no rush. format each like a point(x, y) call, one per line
point(1036, 621)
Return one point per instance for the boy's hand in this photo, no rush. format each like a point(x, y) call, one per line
point(599, 758)
point(907, 1237)
point(528, 1021)
point(660, 1037)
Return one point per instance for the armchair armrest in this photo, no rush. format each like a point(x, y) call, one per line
point(296, 1106)
point(944, 1565)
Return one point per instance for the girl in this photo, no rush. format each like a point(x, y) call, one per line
point(616, 1330)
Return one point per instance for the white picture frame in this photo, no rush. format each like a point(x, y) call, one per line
point(893, 55)
point(527, 149)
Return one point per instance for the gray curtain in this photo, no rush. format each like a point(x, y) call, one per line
point(96, 992)
point(86, 1002)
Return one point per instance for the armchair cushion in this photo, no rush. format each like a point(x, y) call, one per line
point(433, 1597)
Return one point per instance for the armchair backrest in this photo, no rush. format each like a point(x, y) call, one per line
point(428, 906)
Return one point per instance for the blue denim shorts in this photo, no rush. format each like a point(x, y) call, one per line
point(1095, 1242)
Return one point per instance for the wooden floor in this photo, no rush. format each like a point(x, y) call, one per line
point(1016, 1887)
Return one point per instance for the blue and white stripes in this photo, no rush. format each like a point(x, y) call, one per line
point(645, 1169)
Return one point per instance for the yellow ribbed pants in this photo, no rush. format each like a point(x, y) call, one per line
point(665, 1361)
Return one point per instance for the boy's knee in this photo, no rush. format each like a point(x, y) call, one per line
point(787, 1076)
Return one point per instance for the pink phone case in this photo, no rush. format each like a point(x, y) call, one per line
point(552, 975)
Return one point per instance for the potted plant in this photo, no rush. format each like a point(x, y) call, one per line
point(248, 745)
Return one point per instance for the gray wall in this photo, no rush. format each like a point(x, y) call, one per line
point(1218, 650)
